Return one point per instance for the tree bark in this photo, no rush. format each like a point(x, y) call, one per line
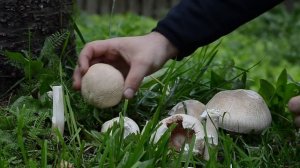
point(24, 25)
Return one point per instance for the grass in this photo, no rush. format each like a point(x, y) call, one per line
point(27, 139)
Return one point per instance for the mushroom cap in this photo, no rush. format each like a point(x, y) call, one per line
point(102, 86)
point(241, 111)
point(186, 126)
point(190, 107)
point(130, 126)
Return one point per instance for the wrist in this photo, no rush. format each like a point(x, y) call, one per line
point(169, 50)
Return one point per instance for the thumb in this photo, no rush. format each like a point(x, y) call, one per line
point(134, 78)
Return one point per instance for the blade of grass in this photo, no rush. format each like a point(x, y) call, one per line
point(190, 152)
point(77, 30)
point(44, 154)
point(20, 139)
point(71, 119)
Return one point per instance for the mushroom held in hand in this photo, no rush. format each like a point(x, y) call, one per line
point(130, 126)
point(102, 85)
point(241, 111)
point(186, 127)
point(189, 107)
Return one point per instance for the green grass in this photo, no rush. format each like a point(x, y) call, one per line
point(27, 139)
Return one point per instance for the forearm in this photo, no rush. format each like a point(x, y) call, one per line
point(194, 23)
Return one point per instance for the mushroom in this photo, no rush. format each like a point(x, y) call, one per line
point(294, 105)
point(58, 119)
point(130, 126)
point(297, 121)
point(66, 164)
point(240, 111)
point(186, 127)
point(102, 86)
point(189, 107)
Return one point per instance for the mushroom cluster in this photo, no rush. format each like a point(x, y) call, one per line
point(239, 111)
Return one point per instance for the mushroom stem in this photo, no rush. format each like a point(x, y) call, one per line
point(211, 126)
point(58, 109)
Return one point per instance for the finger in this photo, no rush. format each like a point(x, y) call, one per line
point(91, 51)
point(134, 78)
point(77, 78)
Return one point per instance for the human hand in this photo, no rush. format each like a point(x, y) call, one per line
point(135, 57)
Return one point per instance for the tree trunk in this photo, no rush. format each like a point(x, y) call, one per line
point(24, 25)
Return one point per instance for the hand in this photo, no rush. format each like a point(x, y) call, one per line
point(135, 57)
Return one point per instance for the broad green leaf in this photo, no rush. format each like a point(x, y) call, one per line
point(282, 79)
point(266, 90)
point(291, 90)
point(144, 164)
point(16, 57)
point(33, 69)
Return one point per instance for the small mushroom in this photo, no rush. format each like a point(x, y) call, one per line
point(66, 164)
point(130, 126)
point(58, 118)
point(186, 127)
point(297, 121)
point(294, 105)
point(102, 85)
point(189, 107)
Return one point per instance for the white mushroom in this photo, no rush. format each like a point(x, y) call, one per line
point(241, 111)
point(189, 107)
point(297, 121)
point(102, 85)
point(58, 119)
point(294, 105)
point(66, 164)
point(130, 126)
point(186, 127)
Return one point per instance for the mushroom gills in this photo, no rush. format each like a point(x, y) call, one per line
point(186, 127)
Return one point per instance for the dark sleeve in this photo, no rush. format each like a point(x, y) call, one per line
point(195, 23)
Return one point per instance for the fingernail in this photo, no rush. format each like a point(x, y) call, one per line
point(129, 93)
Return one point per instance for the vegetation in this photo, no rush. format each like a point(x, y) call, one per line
point(244, 59)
